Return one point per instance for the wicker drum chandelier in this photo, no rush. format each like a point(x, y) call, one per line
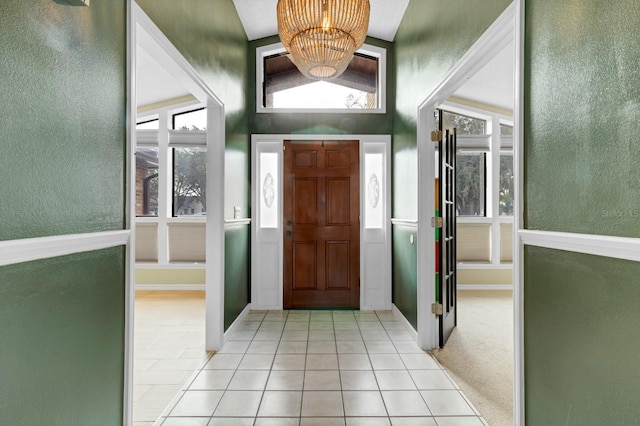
point(322, 35)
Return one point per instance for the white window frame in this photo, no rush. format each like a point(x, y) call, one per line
point(366, 49)
point(164, 139)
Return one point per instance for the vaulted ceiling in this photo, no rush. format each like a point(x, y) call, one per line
point(259, 17)
point(492, 85)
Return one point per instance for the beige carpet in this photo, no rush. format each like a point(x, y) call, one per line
point(479, 353)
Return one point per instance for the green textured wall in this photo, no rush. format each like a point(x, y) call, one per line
point(581, 339)
point(63, 97)
point(236, 272)
point(62, 168)
point(432, 37)
point(582, 94)
point(405, 272)
point(62, 333)
point(582, 97)
point(330, 123)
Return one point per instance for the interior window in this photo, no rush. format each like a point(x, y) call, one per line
point(189, 181)
point(506, 184)
point(147, 182)
point(190, 120)
point(283, 87)
point(148, 124)
point(506, 130)
point(471, 184)
point(465, 125)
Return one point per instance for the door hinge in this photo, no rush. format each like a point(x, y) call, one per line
point(436, 136)
point(436, 222)
point(436, 309)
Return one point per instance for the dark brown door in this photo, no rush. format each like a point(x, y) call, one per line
point(321, 225)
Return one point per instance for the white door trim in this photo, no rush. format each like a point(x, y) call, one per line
point(266, 272)
point(518, 219)
point(507, 28)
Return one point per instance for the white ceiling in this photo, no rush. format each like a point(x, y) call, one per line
point(259, 17)
point(153, 83)
point(492, 84)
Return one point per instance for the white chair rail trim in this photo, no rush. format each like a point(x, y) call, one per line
point(599, 245)
point(29, 249)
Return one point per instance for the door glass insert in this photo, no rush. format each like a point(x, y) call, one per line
point(268, 190)
point(373, 166)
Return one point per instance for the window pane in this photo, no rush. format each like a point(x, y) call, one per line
point(191, 120)
point(147, 182)
point(506, 130)
point(323, 95)
point(506, 184)
point(470, 184)
point(465, 125)
point(373, 212)
point(269, 178)
point(148, 125)
point(286, 87)
point(189, 181)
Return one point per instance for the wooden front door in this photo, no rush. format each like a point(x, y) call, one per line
point(321, 225)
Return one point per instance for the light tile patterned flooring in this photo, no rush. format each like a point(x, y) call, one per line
point(305, 368)
point(168, 347)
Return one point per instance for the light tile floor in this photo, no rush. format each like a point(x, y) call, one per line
point(305, 368)
point(168, 347)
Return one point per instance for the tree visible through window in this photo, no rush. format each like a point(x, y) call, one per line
point(189, 181)
point(470, 184)
point(465, 125)
point(506, 184)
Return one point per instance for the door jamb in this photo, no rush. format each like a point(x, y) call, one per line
point(365, 304)
point(499, 34)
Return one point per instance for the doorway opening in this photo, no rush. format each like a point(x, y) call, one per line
point(485, 152)
point(368, 218)
point(176, 134)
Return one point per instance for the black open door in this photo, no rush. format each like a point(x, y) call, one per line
point(447, 282)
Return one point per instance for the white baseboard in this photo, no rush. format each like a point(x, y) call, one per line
point(485, 286)
point(170, 287)
point(404, 321)
point(236, 322)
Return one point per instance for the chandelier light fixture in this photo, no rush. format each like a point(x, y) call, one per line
point(322, 35)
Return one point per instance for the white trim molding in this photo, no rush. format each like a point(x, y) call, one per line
point(412, 331)
point(485, 287)
point(236, 323)
point(29, 249)
point(171, 287)
point(518, 221)
point(599, 245)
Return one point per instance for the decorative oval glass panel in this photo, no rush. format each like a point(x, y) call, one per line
point(373, 190)
point(268, 190)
